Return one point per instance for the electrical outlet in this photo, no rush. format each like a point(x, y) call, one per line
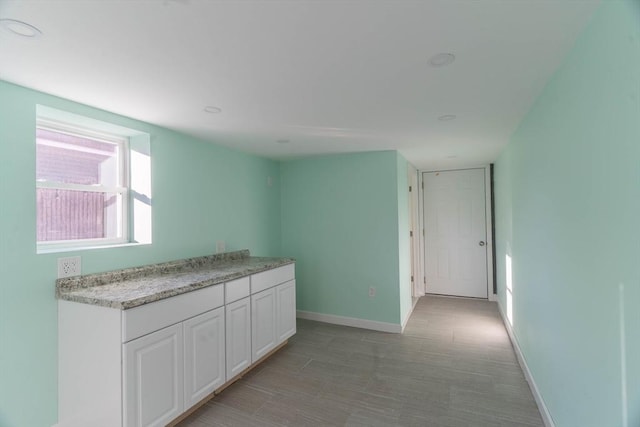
point(372, 292)
point(220, 246)
point(68, 267)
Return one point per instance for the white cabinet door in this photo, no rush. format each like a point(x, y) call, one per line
point(263, 323)
point(285, 310)
point(204, 368)
point(238, 326)
point(153, 378)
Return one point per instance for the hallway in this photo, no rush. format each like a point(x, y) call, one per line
point(453, 367)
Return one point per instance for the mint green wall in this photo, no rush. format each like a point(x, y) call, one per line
point(201, 193)
point(404, 249)
point(568, 209)
point(340, 221)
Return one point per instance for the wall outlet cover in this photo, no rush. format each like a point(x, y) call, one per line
point(69, 267)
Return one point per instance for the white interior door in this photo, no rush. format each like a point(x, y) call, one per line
point(455, 233)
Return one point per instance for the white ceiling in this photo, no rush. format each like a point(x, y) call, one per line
point(329, 76)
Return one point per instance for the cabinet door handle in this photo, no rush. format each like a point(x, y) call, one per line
point(481, 243)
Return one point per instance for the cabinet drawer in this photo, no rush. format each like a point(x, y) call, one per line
point(148, 318)
point(236, 289)
point(270, 278)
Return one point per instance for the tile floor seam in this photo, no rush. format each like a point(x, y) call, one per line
point(453, 367)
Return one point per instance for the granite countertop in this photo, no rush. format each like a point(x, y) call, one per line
point(133, 287)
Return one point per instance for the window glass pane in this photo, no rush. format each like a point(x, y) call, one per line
point(73, 159)
point(71, 215)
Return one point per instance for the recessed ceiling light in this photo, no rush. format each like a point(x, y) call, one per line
point(212, 110)
point(447, 117)
point(283, 141)
point(441, 59)
point(19, 28)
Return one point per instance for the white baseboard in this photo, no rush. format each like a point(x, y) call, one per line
point(351, 321)
point(493, 297)
point(544, 411)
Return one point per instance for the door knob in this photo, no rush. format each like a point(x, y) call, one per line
point(481, 243)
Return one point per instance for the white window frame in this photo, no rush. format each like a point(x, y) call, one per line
point(123, 189)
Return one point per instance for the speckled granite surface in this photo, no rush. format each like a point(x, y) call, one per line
point(137, 286)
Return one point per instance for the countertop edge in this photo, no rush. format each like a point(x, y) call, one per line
point(66, 294)
point(168, 267)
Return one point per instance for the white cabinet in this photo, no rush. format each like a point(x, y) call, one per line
point(263, 323)
point(238, 337)
point(273, 309)
point(147, 365)
point(285, 311)
point(153, 372)
point(204, 355)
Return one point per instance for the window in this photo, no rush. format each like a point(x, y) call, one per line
point(83, 183)
point(81, 186)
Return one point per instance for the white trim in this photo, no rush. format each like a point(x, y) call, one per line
point(55, 250)
point(97, 188)
point(417, 286)
point(422, 270)
point(542, 407)
point(351, 321)
point(73, 147)
point(493, 297)
point(414, 301)
point(85, 132)
point(47, 246)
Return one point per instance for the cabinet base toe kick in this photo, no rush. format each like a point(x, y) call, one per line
point(229, 383)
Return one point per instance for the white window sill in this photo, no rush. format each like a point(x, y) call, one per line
point(40, 251)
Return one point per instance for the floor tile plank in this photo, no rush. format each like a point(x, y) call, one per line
point(454, 366)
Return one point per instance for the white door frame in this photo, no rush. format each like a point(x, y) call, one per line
point(415, 226)
point(488, 215)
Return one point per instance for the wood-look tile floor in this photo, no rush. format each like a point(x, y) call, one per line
point(453, 366)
